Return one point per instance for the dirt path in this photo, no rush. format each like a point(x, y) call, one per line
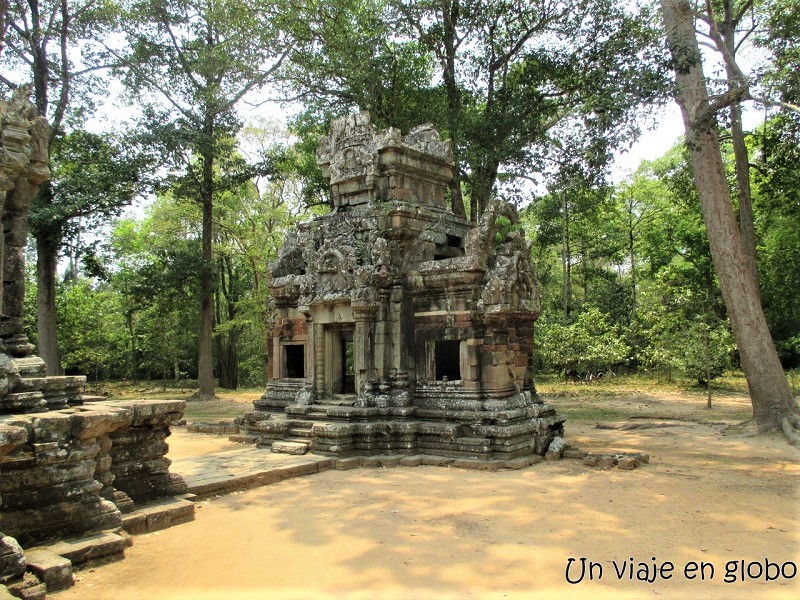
point(431, 532)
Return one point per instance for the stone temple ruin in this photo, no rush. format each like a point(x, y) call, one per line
point(75, 478)
point(398, 326)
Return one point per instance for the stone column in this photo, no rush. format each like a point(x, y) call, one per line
point(317, 333)
point(23, 168)
point(364, 355)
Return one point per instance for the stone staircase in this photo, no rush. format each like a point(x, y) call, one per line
point(297, 441)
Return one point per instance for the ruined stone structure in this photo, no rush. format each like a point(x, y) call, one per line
point(398, 326)
point(66, 469)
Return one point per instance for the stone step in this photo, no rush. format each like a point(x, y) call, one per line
point(290, 447)
point(101, 547)
point(53, 570)
point(157, 515)
point(301, 432)
point(297, 440)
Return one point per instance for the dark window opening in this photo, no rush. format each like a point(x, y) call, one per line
point(295, 360)
point(447, 359)
point(348, 364)
point(452, 248)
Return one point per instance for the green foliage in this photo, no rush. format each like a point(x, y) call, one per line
point(589, 345)
point(90, 329)
point(93, 177)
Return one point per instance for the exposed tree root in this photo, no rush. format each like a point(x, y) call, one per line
point(630, 426)
point(791, 426)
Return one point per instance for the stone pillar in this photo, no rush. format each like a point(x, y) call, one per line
point(138, 452)
point(364, 354)
point(317, 333)
point(397, 356)
point(23, 168)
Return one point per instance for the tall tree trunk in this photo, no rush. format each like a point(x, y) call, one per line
point(740, 153)
point(134, 374)
point(450, 14)
point(205, 365)
point(46, 260)
point(632, 255)
point(566, 259)
point(773, 404)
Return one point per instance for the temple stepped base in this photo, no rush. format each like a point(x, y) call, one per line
point(334, 430)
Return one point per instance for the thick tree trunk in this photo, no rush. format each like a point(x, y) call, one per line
point(46, 261)
point(205, 365)
point(769, 390)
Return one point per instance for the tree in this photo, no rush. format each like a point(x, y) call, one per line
point(510, 78)
point(43, 38)
point(773, 404)
point(199, 59)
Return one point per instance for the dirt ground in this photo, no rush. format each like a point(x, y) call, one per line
point(709, 494)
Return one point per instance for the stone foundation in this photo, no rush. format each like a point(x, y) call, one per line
point(74, 471)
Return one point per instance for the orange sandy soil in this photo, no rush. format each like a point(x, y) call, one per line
point(709, 494)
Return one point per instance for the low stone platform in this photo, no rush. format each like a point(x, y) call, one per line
point(232, 470)
point(157, 515)
point(101, 547)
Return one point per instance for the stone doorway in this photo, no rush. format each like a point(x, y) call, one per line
point(340, 373)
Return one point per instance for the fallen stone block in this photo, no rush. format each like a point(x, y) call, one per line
point(53, 570)
point(606, 461)
point(626, 463)
point(590, 460)
point(295, 448)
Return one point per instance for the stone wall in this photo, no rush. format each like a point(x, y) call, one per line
point(65, 473)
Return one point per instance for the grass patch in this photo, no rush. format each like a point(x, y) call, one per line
point(216, 410)
point(636, 384)
point(228, 405)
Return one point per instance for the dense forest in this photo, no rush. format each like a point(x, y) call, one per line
point(537, 97)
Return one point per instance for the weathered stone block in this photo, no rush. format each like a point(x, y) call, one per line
point(12, 560)
point(295, 448)
point(53, 570)
point(92, 547)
